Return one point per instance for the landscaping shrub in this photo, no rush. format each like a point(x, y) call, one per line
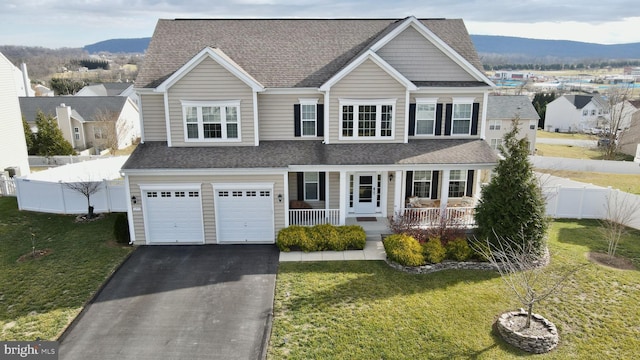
point(403, 249)
point(458, 250)
point(323, 237)
point(433, 250)
point(121, 229)
point(353, 237)
point(292, 236)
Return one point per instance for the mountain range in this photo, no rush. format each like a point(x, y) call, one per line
point(486, 45)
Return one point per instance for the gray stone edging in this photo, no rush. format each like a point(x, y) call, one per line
point(445, 265)
point(531, 343)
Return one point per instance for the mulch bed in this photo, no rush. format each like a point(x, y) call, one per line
point(615, 262)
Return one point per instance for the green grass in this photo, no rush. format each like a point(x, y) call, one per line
point(366, 310)
point(626, 182)
point(555, 135)
point(39, 298)
point(575, 152)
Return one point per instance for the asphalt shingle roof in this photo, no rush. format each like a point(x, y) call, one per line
point(507, 107)
point(280, 154)
point(86, 106)
point(282, 52)
point(579, 101)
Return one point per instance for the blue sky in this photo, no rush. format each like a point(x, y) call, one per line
point(75, 23)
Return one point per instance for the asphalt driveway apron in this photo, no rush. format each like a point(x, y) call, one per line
point(180, 302)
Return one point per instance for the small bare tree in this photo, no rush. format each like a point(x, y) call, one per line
point(621, 209)
point(521, 268)
point(108, 131)
point(618, 106)
point(86, 188)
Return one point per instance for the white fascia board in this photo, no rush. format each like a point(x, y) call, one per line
point(170, 186)
point(204, 172)
point(434, 39)
point(217, 56)
point(292, 91)
point(391, 167)
point(369, 55)
point(452, 90)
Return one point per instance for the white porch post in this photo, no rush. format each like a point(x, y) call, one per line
point(444, 189)
point(285, 185)
point(343, 197)
point(327, 206)
point(398, 203)
point(477, 186)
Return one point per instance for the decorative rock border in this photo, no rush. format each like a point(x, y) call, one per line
point(445, 265)
point(537, 344)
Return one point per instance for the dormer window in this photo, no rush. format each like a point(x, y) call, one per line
point(211, 121)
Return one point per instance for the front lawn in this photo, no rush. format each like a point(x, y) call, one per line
point(566, 136)
point(625, 182)
point(366, 310)
point(38, 298)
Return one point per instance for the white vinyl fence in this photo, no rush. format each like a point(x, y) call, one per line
point(7, 186)
point(55, 197)
point(59, 160)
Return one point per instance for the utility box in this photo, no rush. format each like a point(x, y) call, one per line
point(13, 171)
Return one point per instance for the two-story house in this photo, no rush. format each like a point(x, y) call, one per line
point(13, 145)
point(502, 110)
point(249, 126)
point(576, 113)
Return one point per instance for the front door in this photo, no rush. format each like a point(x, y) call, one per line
point(365, 194)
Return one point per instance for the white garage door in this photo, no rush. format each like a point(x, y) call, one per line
point(244, 215)
point(173, 216)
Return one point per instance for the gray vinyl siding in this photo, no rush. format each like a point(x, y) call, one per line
point(391, 193)
point(210, 81)
point(418, 59)
point(275, 113)
point(208, 211)
point(448, 99)
point(368, 82)
point(154, 122)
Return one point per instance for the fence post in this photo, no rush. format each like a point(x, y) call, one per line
point(107, 193)
point(64, 203)
point(581, 206)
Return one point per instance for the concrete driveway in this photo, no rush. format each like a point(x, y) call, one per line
point(181, 302)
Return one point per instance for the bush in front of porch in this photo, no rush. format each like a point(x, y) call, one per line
point(406, 250)
point(321, 237)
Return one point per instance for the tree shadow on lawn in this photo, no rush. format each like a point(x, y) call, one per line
point(586, 233)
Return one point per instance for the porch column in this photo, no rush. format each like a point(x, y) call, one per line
point(285, 185)
point(343, 197)
point(327, 176)
point(477, 185)
point(398, 198)
point(444, 189)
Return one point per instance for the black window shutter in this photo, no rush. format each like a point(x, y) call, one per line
point(297, 125)
point(409, 183)
point(438, 119)
point(322, 176)
point(469, 183)
point(300, 181)
point(434, 184)
point(412, 119)
point(448, 119)
point(320, 120)
point(474, 119)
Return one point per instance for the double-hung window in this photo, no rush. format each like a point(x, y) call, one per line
point(99, 133)
point(495, 124)
point(457, 183)
point(425, 116)
point(308, 116)
point(211, 121)
point(311, 186)
point(367, 118)
point(495, 144)
point(461, 117)
point(422, 184)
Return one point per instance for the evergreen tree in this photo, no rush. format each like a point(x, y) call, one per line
point(49, 141)
point(29, 137)
point(512, 205)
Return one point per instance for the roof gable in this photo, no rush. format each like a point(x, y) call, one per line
point(86, 107)
point(282, 53)
point(501, 107)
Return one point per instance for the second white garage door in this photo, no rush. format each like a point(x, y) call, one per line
point(244, 214)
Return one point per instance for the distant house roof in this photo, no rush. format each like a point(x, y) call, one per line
point(283, 52)
point(580, 101)
point(509, 106)
point(87, 107)
point(635, 103)
point(106, 89)
point(281, 154)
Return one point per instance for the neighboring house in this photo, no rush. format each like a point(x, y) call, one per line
point(630, 138)
point(88, 122)
point(110, 89)
point(41, 90)
point(576, 113)
point(502, 110)
point(246, 124)
point(13, 146)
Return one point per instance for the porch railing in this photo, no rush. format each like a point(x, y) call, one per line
point(7, 186)
point(310, 217)
point(457, 216)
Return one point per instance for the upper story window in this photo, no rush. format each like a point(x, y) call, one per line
point(367, 118)
point(308, 116)
point(422, 184)
point(461, 119)
point(76, 133)
point(585, 112)
point(533, 124)
point(593, 112)
point(99, 133)
point(425, 116)
point(211, 121)
point(495, 124)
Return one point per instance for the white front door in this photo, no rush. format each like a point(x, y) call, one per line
point(365, 193)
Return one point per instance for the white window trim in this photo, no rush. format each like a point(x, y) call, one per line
point(199, 105)
point(314, 102)
point(378, 104)
point(305, 182)
point(426, 101)
point(413, 183)
point(462, 101)
point(465, 175)
point(493, 123)
point(497, 141)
